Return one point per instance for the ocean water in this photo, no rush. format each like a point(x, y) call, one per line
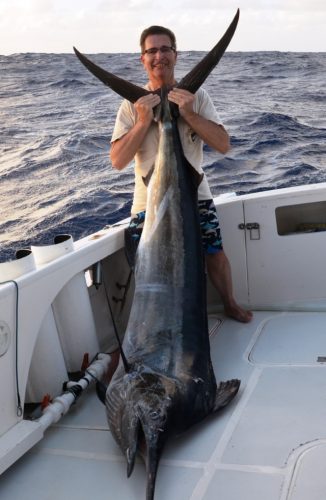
point(56, 120)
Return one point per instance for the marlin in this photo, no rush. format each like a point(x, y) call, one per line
point(165, 382)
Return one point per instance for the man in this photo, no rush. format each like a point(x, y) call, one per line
point(136, 136)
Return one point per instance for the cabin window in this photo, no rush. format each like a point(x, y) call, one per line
point(300, 219)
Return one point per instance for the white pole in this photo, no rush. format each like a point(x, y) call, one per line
point(61, 404)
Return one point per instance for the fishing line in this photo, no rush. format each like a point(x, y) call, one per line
point(123, 357)
point(19, 410)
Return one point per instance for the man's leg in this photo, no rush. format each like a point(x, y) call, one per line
point(218, 265)
point(219, 271)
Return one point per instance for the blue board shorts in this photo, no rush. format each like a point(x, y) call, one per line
point(209, 224)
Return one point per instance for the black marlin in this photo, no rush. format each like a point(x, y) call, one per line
point(166, 383)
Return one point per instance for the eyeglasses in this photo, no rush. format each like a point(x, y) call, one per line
point(154, 50)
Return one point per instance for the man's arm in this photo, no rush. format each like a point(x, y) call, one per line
point(124, 149)
point(211, 133)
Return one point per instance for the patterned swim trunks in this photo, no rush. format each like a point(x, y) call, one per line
point(209, 224)
point(210, 227)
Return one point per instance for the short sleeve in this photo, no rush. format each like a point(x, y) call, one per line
point(204, 107)
point(125, 120)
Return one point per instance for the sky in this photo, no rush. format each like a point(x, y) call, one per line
point(95, 26)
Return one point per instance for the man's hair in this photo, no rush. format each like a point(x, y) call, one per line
point(157, 30)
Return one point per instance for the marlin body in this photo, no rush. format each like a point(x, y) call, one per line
point(171, 383)
point(167, 383)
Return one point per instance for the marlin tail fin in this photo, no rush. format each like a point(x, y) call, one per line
point(191, 82)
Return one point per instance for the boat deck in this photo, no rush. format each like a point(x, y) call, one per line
point(269, 443)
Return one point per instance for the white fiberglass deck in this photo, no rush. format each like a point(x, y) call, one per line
point(270, 443)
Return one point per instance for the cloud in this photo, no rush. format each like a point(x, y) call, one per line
point(115, 25)
point(249, 5)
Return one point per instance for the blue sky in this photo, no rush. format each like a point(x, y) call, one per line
point(114, 25)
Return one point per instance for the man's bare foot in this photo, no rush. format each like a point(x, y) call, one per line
point(238, 313)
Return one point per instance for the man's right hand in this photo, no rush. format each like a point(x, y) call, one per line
point(144, 107)
point(124, 149)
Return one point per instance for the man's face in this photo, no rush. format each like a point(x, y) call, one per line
point(160, 65)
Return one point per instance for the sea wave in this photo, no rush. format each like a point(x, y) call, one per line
point(57, 119)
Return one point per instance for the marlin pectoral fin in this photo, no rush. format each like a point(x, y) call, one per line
point(125, 89)
point(196, 176)
point(196, 77)
point(148, 176)
point(225, 393)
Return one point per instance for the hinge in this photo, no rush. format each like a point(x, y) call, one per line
point(254, 229)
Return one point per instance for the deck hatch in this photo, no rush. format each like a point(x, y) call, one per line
point(291, 339)
point(214, 323)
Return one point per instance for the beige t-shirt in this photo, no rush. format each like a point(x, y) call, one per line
point(145, 157)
